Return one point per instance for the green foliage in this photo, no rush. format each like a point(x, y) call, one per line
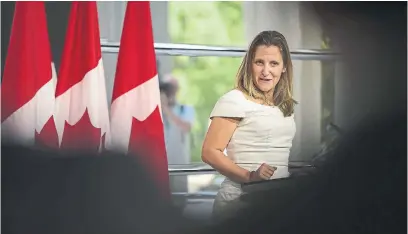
point(204, 79)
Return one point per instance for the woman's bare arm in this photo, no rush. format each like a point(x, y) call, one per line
point(218, 135)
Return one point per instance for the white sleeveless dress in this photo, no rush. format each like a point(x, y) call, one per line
point(263, 135)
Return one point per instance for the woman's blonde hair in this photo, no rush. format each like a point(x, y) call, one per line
point(282, 95)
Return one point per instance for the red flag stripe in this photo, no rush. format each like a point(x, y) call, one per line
point(84, 52)
point(136, 122)
point(138, 40)
point(28, 85)
point(28, 63)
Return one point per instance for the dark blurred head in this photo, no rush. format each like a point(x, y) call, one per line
point(71, 192)
point(170, 87)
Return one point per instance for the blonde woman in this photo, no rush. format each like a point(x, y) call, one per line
point(254, 122)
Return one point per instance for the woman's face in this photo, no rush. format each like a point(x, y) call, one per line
point(267, 68)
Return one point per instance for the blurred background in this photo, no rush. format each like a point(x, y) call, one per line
point(201, 46)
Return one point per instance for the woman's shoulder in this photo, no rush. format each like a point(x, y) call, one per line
point(231, 104)
point(234, 95)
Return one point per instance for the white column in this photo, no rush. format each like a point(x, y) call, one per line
point(302, 30)
point(111, 16)
point(160, 20)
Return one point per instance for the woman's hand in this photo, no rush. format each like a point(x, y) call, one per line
point(264, 172)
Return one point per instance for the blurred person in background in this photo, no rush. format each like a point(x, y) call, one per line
point(254, 122)
point(178, 120)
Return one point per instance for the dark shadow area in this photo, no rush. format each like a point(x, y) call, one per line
point(53, 192)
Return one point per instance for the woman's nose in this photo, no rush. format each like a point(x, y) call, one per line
point(266, 71)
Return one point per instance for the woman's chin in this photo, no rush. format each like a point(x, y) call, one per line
point(265, 89)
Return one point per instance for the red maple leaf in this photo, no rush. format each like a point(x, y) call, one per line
point(48, 136)
point(147, 144)
point(82, 135)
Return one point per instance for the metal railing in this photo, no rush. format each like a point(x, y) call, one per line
point(190, 169)
point(190, 50)
point(201, 168)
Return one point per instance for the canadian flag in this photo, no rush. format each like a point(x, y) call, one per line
point(136, 121)
point(81, 112)
point(29, 78)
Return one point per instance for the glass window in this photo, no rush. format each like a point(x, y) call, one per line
point(209, 23)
